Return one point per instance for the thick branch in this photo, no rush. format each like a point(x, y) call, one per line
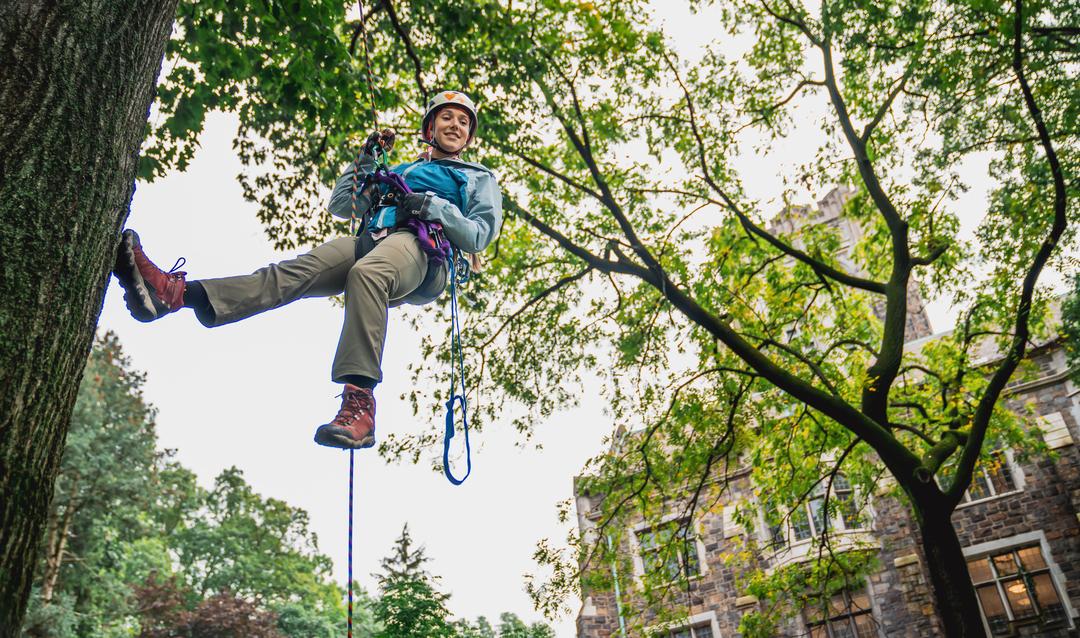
point(1021, 329)
point(875, 395)
point(935, 253)
point(895, 455)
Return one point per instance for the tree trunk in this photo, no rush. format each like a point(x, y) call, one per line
point(76, 83)
point(954, 595)
point(54, 558)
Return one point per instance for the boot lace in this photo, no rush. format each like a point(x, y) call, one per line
point(175, 272)
point(353, 405)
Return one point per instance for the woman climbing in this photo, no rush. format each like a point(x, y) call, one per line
point(382, 267)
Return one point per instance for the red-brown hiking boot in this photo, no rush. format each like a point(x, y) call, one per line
point(354, 425)
point(149, 292)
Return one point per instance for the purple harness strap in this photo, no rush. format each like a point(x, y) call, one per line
point(432, 239)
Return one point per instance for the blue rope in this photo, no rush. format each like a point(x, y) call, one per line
point(455, 357)
point(351, 473)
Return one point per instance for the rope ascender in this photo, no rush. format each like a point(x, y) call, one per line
point(386, 188)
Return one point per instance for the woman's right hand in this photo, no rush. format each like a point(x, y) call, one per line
point(384, 138)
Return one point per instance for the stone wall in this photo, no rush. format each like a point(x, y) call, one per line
point(1047, 505)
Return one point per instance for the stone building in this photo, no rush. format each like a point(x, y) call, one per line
point(1019, 526)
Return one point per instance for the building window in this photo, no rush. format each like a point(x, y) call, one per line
point(991, 478)
point(1015, 589)
point(669, 550)
point(811, 519)
point(701, 631)
point(843, 615)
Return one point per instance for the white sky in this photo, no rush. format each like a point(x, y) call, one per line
point(251, 394)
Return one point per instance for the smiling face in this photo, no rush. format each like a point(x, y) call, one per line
point(451, 124)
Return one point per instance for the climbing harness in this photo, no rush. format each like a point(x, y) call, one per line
point(391, 188)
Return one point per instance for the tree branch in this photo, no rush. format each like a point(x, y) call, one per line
point(1021, 329)
point(358, 28)
point(875, 395)
point(564, 281)
point(883, 110)
point(566, 179)
point(410, 50)
point(585, 153)
point(748, 225)
point(794, 22)
point(622, 265)
point(806, 361)
point(935, 253)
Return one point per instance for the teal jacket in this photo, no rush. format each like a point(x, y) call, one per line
point(462, 196)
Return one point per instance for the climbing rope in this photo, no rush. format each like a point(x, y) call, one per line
point(367, 66)
point(434, 243)
point(352, 454)
point(352, 229)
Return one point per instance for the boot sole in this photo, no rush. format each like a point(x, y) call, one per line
point(344, 442)
point(137, 295)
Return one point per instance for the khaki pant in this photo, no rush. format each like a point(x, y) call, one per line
point(381, 279)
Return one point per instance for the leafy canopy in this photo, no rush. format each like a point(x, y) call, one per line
point(636, 252)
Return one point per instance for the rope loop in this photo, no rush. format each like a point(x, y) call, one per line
point(458, 371)
point(457, 398)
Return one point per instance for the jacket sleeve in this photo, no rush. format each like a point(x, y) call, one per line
point(479, 225)
point(341, 199)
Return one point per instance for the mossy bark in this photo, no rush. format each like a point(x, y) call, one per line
point(76, 83)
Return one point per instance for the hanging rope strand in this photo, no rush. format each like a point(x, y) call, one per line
point(367, 66)
point(374, 119)
point(352, 228)
point(351, 473)
point(457, 360)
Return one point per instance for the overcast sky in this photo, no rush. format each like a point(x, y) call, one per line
point(251, 394)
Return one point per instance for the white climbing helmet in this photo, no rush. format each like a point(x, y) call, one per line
point(445, 98)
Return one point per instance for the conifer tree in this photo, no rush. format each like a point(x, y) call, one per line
point(409, 605)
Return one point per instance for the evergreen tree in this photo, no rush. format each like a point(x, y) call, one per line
point(409, 605)
point(406, 561)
